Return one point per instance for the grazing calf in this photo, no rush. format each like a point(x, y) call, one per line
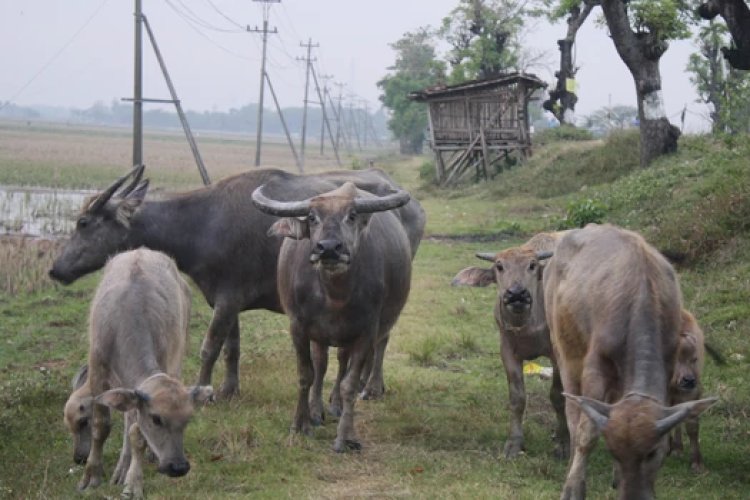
point(344, 276)
point(138, 328)
point(614, 310)
point(77, 415)
point(524, 335)
point(686, 384)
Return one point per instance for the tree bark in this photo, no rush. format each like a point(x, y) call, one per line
point(737, 16)
point(567, 99)
point(641, 53)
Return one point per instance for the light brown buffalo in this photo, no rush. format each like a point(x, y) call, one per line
point(614, 309)
point(138, 328)
point(519, 313)
point(686, 384)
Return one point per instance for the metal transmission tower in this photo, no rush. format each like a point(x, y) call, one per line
point(138, 100)
point(308, 60)
point(264, 32)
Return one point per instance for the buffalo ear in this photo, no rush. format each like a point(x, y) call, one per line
point(297, 229)
point(474, 276)
point(597, 411)
point(119, 399)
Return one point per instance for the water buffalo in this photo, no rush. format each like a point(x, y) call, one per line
point(519, 314)
point(138, 329)
point(613, 304)
point(218, 238)
point(685, 384)
point(344, 276)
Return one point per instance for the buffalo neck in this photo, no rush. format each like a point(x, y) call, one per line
point(170, 226)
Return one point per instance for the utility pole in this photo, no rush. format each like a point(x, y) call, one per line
point(138, 88)
point(307, 60)
point(324, 116)
point(340, 116)
point(264, 32)
point(324, 79)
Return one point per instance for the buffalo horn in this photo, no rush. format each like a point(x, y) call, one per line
point(544, 255)
point(107, 193)
point(486, 256)
point(138, 173)
point(279, 208)
point(382, 203)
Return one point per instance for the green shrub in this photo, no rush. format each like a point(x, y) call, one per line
point(564, 133)
point(427, 171)
point(582, 212)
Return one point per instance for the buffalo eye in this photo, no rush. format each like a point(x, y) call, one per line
point(83, 423)
point(311, 218)
point(83, 222)
point(157, 420)
point(499, 267)
point(651, 455)
point(351, 217)
point(532, 266)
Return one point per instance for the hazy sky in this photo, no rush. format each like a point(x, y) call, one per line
point(77, 52)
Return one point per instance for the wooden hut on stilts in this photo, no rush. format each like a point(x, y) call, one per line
point(476, 124)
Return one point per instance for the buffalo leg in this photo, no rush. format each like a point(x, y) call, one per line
point(696, 459)
point(231, 385)
point(123, 464)
point(375, 387)
point(305, 372)
point(134, 479)
point(94, 470)
point(562, 436)
point(320, 366)
point(335, 408)
point(514, 372)
point(222, 322)
point(345, 435)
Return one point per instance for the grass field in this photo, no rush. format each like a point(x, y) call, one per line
point(440, 428)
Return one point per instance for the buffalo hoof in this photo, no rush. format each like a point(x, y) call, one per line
point(227, 391)
point(698, 467)
point(118, 476)
point(92, 477)
point(372, 393)
point(344, 445)
point(317, 420)
point(512, 449)
point(574, 492)
point(132, 493)
point(335, 410)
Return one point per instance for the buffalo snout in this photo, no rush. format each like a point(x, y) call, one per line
point(57, 276)
point(79, 459)
point(517, 296)
point(688, 382)
point(175, 469)
point(327, 250)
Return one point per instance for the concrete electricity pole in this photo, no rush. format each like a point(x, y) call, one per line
point(138, 87)
point(307, 60)
point(324, 79)
point(264, 31)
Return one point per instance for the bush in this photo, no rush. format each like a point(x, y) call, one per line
point(563, 133)
point(427, 171)
point(582, 212)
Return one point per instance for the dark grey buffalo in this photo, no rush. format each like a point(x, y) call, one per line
point(344, 276)
point(218, 238)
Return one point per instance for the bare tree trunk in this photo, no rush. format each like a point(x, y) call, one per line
point(641, 53)
point(566, 98)
point(737, 16)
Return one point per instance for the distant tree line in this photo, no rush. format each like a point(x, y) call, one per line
point(236, 120)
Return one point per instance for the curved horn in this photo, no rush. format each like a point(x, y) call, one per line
point(382, 203)
point(107, 193)
point(137, 174)
point(544, 255)
point(279, 208)
point(486, 256)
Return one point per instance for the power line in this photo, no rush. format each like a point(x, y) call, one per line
point(54, 57)
point(222, 14)
point(191, 16)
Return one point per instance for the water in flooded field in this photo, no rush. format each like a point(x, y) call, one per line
point(39, 211)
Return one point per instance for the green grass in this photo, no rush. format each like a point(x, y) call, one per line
point(440, 428)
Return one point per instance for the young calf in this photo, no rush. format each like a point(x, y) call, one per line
point(524, 335)
point(685, 384)
point(138, 327)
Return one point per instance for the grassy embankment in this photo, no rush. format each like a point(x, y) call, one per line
point(441, 425)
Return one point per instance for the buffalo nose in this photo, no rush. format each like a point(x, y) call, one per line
point(517, 294)
point(328, 249)
point(688, 382)
point(79, 459)
point(177, 469)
